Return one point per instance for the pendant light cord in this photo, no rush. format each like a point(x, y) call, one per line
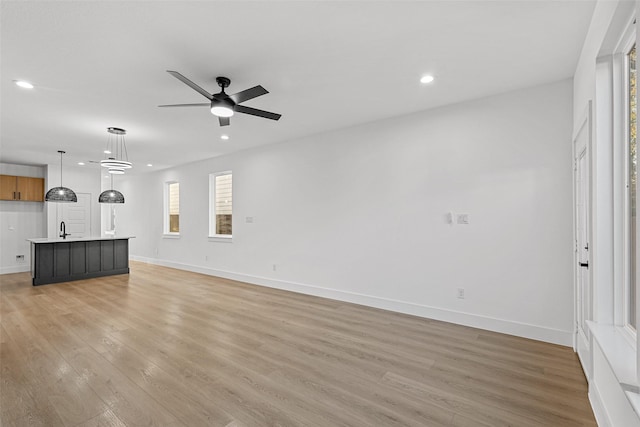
point(61, 153)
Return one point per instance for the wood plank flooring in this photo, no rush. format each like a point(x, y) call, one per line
point(163, 347)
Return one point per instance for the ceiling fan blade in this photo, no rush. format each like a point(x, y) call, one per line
point(256, 112)
point(188, 82)
point(204, 104)
point(248, 94)
point(224, 121)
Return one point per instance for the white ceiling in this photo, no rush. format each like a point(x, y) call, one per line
point(326, 64)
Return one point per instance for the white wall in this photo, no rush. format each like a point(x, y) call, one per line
point(18, 222)
point(359, 214)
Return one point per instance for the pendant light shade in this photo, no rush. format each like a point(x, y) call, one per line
point(61, 194)
point(111, 196)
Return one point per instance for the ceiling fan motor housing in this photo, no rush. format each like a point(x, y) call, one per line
point(223, 82)
point(222, 100)
point(222, 105)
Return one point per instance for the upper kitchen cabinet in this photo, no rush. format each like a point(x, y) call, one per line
point(21, 188)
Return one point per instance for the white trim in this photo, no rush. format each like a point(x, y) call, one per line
point(165, 209)
point(628, 36)
point(621, 144)
point(213, 236)
point(581, 335)
point(616, 388)
point(221, 238)
point(622, 104)
point(599, 410)
point(15, 269)
point(171, 236)
point(541, 333)
point(617, 351)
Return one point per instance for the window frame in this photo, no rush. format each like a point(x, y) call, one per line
point(622, 305)
point(213, 236)
point(167, 233)
point(619, 343)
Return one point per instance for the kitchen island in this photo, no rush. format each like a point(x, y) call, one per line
point(62, 260)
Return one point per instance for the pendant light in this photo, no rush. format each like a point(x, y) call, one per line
point(61, 194)
point(111, 196)
point(118, 159)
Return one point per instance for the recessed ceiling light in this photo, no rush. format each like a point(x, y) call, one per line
point(81, 163)
point(426, 79)
point(149, 164)
point(24, 84)
point(107, 152)
point(225, 137)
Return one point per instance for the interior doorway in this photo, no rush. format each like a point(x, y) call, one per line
point(76, 216)
point(583, 279)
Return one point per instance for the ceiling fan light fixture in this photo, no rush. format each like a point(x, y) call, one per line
point(221, 110)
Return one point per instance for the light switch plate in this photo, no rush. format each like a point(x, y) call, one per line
point(462, 218)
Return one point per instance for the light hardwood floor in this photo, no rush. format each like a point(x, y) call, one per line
point(163, 347)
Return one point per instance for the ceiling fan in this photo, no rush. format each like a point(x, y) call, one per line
point(222, 105)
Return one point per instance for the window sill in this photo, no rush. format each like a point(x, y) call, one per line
point(621, 356)
point(221, 239)
point(620, 353)
point(171, 236)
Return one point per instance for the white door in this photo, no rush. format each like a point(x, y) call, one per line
point(76, 216)
point(583, 291)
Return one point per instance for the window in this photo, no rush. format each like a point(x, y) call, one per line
point(172, 208)
point(632, 176)
point(220, 204)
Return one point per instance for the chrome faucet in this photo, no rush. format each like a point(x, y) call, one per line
point(63, 230)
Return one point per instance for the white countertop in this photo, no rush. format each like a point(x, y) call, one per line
point(76, 239)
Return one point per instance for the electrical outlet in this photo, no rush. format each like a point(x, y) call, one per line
point(274, 267)
point(19, 258)
point(248, 219)
point(461, 293)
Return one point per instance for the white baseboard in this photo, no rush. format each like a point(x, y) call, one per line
point(540, 333)
point(14, 269)
point(599, 411)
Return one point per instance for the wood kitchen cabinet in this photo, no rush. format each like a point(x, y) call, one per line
point(21, 188)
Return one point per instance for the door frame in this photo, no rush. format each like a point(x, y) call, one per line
point(582, 346)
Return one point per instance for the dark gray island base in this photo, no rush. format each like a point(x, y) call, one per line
point(57, 260)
